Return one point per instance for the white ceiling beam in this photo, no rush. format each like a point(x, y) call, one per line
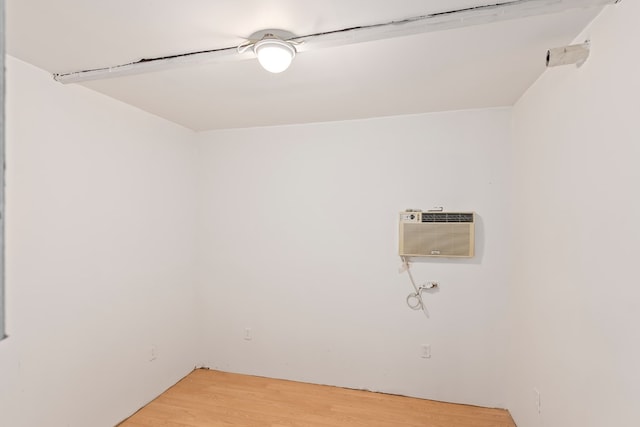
point(446, 21)
point(416, 25)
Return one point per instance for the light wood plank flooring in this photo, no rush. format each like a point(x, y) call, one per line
point(213, 398)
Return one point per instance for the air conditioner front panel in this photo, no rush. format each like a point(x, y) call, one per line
point(442, 239)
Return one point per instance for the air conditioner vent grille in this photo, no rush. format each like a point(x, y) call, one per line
point(447, 217)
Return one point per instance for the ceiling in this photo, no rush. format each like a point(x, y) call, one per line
point(473, 67)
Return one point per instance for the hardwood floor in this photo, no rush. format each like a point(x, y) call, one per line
point(213, 398)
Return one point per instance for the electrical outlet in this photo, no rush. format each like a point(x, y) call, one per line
point(425, 351)
point(248, 334)
point(537, 396)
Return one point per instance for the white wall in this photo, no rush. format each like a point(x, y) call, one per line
point(297, 237)
point(100, 265)
point(575, 296)
point(299, 243)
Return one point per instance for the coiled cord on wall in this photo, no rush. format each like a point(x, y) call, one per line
point(417, 295)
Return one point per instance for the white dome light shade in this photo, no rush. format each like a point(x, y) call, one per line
point(274, 55)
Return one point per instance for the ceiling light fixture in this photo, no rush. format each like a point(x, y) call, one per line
point(275, 49)
point(275, 55)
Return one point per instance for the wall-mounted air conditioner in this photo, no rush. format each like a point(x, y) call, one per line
point(437, 234)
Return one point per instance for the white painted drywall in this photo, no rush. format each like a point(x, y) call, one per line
point(299, 244)
point(100, 240)
point(575, 299)
point(295, 231)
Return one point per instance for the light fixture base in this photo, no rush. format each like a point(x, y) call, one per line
point(281, 34)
